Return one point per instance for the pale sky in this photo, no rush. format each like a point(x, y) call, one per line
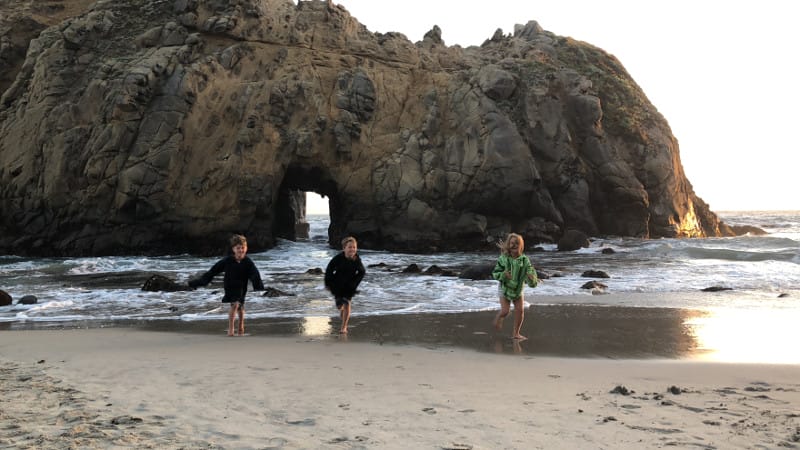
point(725, 75)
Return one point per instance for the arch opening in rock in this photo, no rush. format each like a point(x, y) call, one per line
point(291, 207)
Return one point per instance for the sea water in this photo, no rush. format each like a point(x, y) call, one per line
point(759, 273)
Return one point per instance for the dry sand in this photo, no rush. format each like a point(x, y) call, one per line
point(129, 388)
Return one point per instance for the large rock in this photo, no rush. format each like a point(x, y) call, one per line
point(144, 126)
point(5, 298)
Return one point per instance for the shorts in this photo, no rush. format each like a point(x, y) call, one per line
point(229, 300)
point(341, 301)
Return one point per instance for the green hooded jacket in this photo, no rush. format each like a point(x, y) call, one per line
point(520, 268)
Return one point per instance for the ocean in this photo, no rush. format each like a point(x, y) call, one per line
point(760, 275)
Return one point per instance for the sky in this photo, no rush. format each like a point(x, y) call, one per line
point(723, 73)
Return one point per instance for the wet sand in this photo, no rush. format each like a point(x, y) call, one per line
point(564, 330)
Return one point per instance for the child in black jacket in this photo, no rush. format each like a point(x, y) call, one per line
point(342, 277)
point(239, 269)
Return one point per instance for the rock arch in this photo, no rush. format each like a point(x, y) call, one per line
point(290, 208)
point(166, 130)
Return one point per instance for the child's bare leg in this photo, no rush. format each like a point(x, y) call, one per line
point(519, 316)
point(345, 315)
point(232, 317)
point(241, 319)
point(505, 305)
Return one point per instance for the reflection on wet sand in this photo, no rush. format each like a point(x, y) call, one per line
point(752, 336)
point(572, 331)
point(316, 326)
point(578, 331)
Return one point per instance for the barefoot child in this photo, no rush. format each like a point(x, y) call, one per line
point(342, 277)
point(238, 268)
point(513, 270)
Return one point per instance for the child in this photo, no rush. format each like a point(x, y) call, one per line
point(342, 277)
point(513, 270)
point(238, 270)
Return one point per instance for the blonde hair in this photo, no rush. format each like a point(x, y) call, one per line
point(237, 239)
point(504, 244)
point(347, 240)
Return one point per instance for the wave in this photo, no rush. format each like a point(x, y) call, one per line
point(742, 255)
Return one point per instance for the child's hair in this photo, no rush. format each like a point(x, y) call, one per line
point(347, 240)
point(504, 244)
point(238, 239)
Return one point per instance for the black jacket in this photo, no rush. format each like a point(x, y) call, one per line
point(236, 276)
point(342, 276)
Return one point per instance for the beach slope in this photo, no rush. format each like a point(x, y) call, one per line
point(129, 388)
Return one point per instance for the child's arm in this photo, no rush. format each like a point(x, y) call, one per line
point(255, 277)
point(352, 285)
point(499, 269)
point(208, 276)
point(532, 277)
point(361, 272)
point(329, 270)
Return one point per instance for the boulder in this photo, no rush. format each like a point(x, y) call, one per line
point(27, 300)
point(5, 298)
point(595, 274)
point(160, 283)
point(740, 230)
point(594, 285)
point(478, 272)
point(573, 240)
point(273, 292)
point(412, 268)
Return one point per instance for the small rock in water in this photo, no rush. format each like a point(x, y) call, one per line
point(159, 283)
point(717, 289)
point(28, 300)
point(272, 292)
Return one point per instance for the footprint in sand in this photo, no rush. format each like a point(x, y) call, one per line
point(125, 420)
point(457, 446)
point(429, 410)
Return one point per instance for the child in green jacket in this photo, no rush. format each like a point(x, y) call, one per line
point(513, 270)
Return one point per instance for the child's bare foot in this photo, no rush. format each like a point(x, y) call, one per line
point(343, 331)
point(519, 337)
point(241, 331)
point(230, 333)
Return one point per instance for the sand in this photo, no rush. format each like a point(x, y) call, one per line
point(135, 388)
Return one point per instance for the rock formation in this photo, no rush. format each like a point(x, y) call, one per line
point(154, 126)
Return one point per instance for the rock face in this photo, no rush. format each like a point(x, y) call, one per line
point(152, 126)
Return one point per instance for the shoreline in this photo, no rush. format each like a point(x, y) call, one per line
point(559, 330)
point(137, 388)
point(574, 331)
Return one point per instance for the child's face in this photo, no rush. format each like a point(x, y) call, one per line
point(239, 251)
point(514, 247)
point(350, 250)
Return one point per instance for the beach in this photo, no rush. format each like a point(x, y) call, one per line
point(285, 386)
